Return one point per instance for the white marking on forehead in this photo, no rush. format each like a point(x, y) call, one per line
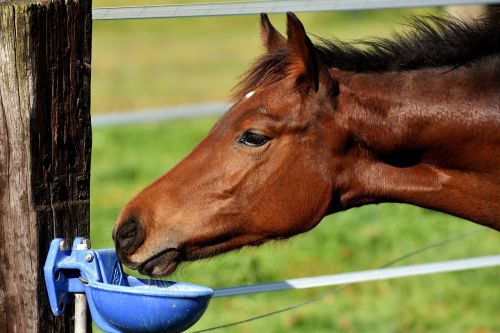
point(250, 94)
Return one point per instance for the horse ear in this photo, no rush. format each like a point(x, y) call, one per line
point(271, 37)
point(303, 64)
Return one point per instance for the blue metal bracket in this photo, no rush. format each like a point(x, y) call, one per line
point(118, 302)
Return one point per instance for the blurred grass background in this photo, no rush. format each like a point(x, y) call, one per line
point(153, 63)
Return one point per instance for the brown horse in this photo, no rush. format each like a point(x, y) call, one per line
point(317, 129)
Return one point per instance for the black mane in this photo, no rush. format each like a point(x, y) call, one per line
point(432, 42)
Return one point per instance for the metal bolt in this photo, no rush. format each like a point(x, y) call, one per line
point(61, 245)
point(89, 257)
point(86, 242)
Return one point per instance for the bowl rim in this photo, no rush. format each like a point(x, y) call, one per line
point(196, 291)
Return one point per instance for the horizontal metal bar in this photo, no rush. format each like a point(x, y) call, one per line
point(160, 114)
point(362, 276)
point(255, 7)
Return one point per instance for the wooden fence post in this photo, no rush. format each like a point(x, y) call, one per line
point(45, 144)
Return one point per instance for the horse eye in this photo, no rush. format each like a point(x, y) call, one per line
point(252, 139)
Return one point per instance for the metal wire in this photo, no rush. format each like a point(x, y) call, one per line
point(340, 288)
point(160, 114)
point(362, 276)
point(255, 7)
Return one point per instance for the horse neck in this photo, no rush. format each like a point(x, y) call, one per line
point(428, 137)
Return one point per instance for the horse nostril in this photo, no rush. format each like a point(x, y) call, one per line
point(129, 236)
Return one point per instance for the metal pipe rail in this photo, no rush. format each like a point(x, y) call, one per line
point(362, 276)
point(159, 114)
point(256, 7)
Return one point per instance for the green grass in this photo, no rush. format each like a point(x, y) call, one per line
point(151, 63)
point(139, 64)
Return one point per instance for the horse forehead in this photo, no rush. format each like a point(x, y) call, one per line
point(261, 104)
point(270, 102)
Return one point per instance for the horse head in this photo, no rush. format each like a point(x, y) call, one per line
point(316, 129)
point(263, 171)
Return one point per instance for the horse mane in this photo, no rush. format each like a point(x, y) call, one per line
point(431, 42)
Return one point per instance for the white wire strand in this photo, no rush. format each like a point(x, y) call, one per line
point(343, 286)
point(256, 7)
point(159, 114)
point(362, 276)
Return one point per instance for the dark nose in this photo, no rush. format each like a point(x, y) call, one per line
point(129, 236)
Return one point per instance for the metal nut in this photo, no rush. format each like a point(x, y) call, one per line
point(89, 257)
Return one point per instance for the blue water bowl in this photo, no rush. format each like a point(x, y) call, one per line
point(119, 302)
point(148, 305)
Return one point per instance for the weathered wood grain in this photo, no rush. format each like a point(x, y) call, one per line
point(45, 144)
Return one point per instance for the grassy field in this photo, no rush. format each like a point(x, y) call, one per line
point(168, 62)
point(151, 63)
